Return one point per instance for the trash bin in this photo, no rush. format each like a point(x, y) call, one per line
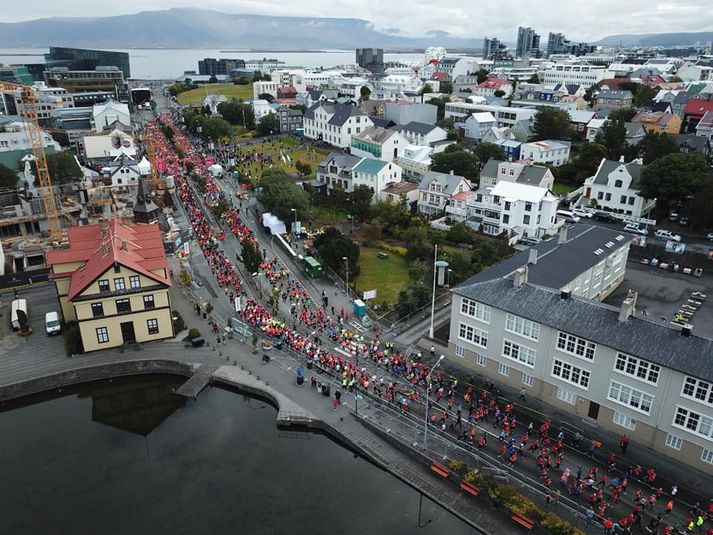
point(300, 376)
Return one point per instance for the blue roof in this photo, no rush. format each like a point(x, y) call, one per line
point(370, 166)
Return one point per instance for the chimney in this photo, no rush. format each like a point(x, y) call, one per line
point(452, 172)
point(628, 306)
point(520, 277)
point(686, 330)
point(565, 294)
point(621, 159)
point(562, 236)
point(532, 259)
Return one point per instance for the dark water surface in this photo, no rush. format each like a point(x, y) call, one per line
point(130, 457)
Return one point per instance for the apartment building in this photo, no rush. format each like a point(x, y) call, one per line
point(334, 123)
point(495, 171)
point(609, 366)
point(460, 111)
point(659, 122)
point(436, 189)
point(586, 75)
point(113, 280)
point(347, 171)
point(379, 143)
point(548, 152)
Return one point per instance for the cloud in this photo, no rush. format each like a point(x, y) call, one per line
point(578, 19)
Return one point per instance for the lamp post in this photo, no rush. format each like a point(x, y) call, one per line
point(428, 384)
point(346, 276)
point(433, 295)
point(294, 228)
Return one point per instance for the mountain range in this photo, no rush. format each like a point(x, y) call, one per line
point(657, 39)
point(201, 28)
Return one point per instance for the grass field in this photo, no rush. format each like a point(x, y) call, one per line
point(328, 217)
point(387, 276)
point(196, 96)
point(562, 189)
point(291, 148)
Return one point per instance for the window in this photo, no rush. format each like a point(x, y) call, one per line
point(567, 396)
point(632, 200)
point(622, 200)
point(97, 310)
point(600, 195)
point(527, 379)
point(624, 421)
point(472, 334)
point(503, 369)
point(631, 397)
point(576, 346)
point(506, 219)
point(699, 390)
point(460, 351)
point(528, 329)
point(149, 302)
point(672, 441)
point(480, 359)
point(618, 183)
point(520, 353)
point(607, 197)
point(103, 285)
point(123, 306)
point(528, 206)
point(119, 284)
point(638, 368)
point(707, 456)
point(102, 335)
point(135, 281)
point(475, 310)
point(571, 374)
point(152, 325)
point(526, 220)
point(693, 422)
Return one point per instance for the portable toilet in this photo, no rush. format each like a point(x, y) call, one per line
point(359, 308)
point(313, 268)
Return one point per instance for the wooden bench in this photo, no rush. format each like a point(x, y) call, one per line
point(523, 521)
point(382, 255)
point(440, 469)
point(469, 487)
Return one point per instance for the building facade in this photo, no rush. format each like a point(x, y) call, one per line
point(548, 152)
point(436, 189)
point(615, 187)
point(335, 123)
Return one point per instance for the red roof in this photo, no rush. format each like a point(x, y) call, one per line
point(440, 76)
point(698, 107)
point(136, 247)
point(287, 91)
point(493, 83)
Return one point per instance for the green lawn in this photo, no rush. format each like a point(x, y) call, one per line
point(196, 96)
point(387, 276)
point(328, 217)
point(290, 146)
point(562, 189)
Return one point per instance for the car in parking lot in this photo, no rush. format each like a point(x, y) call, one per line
point(635, 229)
point(606, 217)
point(529, 240)
point(663, 234)
point(581, 212)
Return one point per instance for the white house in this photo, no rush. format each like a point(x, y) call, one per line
point(422, 133)
point(379, 143)
point(488, 88)
point(522, 172)
point(615, 187)
point(265, 88)
point(593, 127)
point(261, 108)
point(704, 128)
point(548, 151)
point(435, 189)
point(515, 208)
point(375, 174)
point(415, 160)
point(109, 145)
point(126, 171)
point(460, 111)
point(110, 112)
point(478, 124)
point(586, 75)
point(335, 123)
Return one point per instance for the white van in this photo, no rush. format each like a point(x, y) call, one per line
point(570, 217)
point(52, 323)
point(18, 304)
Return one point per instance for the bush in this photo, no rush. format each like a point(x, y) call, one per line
point(194, 333)
point(394, 249)
point(368, 243)
point(458, 467)
point(72, 339)
point(555, 525)
point(178, 323)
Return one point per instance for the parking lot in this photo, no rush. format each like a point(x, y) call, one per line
point(661, 293)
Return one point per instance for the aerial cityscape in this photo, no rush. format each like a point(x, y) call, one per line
point(418, 269)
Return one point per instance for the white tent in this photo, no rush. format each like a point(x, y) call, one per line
point(273, 223)
point(216, 169)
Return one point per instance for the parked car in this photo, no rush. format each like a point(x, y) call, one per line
point(529, 240)
point(581, 212)
point(663, 234)
point(635, 229)
point(673, 216)
point(606, 217)
point(52, 323)
point(569, 217)
point(683, 221)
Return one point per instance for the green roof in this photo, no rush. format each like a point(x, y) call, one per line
point(369, 166)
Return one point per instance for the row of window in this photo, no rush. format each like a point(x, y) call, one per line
point(120, 283)
point(475, 310)
point(698, 390)
point(570, 373)
point(520, 353)
point(693, 422)
point(622, 200)
point(103, 332)
point(674, 442)
point(631, 397)
point(123, 306)
point(473, 335)
point(641, 369)
point(576, 346)
point(528, 329)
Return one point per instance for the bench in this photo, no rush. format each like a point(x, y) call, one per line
point(440, 469)
point(523, 521)
point(382, 255)
point(469, 487)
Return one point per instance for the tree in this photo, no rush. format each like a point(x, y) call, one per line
point(333, 246)
point(445, 87)
point(215, 128)
point(459, 233)
point(364, 93)
point(499, 93)
point(237, 112)
point(459, 267)
point(250, 256)
point(361, 201)
point(656, 145)
point(612, 135)
point(589, 94)
point(62, 166)
point(416, 271)
point(425, 90)
point(673, 178)
point(241, 80)
point(461, 162)
point(394, 216)
point(552, 123)
point(269, 124)
point(486, 151)
point(299, 107)
point(624, 115)
point(415, 297)
point(440, 104)
point(279, 194)
point(699, 207)
point(266, 96)
point(534, 79)
point(8, 177)
point(303, 168)
point(481, 75)
point(418, 245)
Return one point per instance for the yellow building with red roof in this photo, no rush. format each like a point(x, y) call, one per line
point(113, 280)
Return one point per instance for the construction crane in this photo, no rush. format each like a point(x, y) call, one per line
point(28, 99)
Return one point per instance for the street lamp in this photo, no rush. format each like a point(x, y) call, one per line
point(433, 296)
point(346, 276)
point(294, 228)
point(428, 383)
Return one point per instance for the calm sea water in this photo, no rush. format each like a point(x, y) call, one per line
point(130, 457)
point(170, 64)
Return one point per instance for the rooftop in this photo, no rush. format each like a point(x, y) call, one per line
point(374, 134)
point(520, 192)
point(415, 127)
point(370, 166)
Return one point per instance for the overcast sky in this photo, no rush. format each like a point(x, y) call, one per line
point(578, 19)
